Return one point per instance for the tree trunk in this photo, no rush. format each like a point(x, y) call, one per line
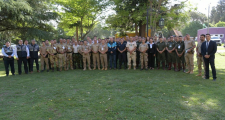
point(142, 29)
point(77, 33)
point(136, 29)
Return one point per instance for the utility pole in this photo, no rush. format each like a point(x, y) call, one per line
point(208, 19)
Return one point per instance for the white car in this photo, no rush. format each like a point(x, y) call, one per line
point(217, 40)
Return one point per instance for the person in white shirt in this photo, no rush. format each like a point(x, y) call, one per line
point(8, 54)
point(76, 56)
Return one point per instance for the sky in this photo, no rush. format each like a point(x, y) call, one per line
point(202, 5)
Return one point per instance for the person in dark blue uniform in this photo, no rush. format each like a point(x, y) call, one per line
point(33, 49)
point(112, 53)
point(22, 54)
point(122, 53)
point(8, 54)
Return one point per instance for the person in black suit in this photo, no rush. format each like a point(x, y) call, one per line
point(208, 50)
point(151, 54)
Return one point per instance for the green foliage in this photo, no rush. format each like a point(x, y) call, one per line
point(101, 32)
point(27, 18)
point(220, 24)
point(133, 12)
point(79, 14)
point(192, 28)
point(196, 16)
point(217, 12)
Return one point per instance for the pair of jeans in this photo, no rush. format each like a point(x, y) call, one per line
point(112, 60)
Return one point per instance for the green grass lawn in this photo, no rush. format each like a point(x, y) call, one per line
point(112, 94)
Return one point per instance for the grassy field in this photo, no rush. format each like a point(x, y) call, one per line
point(112, 94)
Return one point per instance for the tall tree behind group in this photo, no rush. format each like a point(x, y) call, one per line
point(78, 17)
point(27, 19)
point(131, 15)
point(217, 12)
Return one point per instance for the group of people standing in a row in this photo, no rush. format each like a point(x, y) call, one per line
point(176, 51)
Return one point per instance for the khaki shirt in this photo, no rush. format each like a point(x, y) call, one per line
point(199, 46)
point(85, 48)
point(61, 47)
point(43, 50)
point(95, 47)
point(52, 49)
point(69, 47)
point(103, 48)
point(131, 45)
point(143, 47)
point(161, 45)
point(189, 43)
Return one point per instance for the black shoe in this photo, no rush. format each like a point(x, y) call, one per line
point(214, 79)
point(7, 75)
point(13, 74)
point(146, 69)
point(47, 70)
point(42, 70)
point(110, 68)
point(141, 69)
point(119, 67)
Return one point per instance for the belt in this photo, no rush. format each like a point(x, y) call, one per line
point(75, 53)
point(69, 52)
point(133, 51)
point(55, 53)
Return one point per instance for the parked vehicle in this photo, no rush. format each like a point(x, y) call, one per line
point(217, 40)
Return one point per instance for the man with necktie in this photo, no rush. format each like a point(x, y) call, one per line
point(208, 50)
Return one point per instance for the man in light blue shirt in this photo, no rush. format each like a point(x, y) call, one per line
point(8, 53)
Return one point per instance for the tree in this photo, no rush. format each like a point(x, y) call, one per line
point(131, 15)
point(196, 16)
point(28, 18)
point(192, 28)
point(220, 24)
point(217, 12)
point(80, 15)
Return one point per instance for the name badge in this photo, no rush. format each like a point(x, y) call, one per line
point(179, 47)
point(170, 45)
point(102, 48)
point(63, 47)
point(68, 47)
point(54, 47)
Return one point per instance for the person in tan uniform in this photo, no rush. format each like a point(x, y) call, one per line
point(189, 53)
point(199, 56)
point(95, 54)
point(143, 47)
point(86, 49)
point(53, 55)
point(103, 48)
point(44, 56)
point(61, 48)
point(69, 53)
point(131, 53)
